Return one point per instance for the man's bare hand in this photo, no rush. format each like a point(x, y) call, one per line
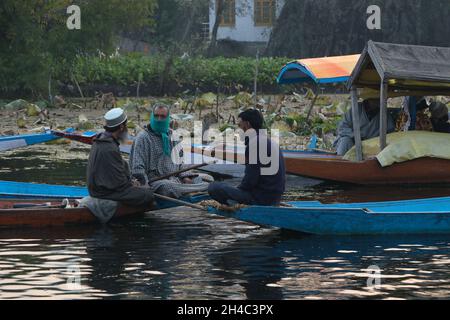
point(187, 180)
point(136, 183)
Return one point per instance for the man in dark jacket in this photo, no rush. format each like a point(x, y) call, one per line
point(264, 181)
point(108, 175)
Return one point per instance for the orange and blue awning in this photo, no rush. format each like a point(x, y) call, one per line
point(319, 70)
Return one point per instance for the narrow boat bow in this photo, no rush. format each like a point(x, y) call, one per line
point(422, 216)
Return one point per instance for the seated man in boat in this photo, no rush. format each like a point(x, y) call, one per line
point(439, 117)
point(369, 118)
point(258, 187)
point(150, 158)
point(108, 175)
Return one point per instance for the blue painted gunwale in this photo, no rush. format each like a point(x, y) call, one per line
point(25, 140)
point(30, 191)
point(424, 216)
point(19, 141)
point(24, 190)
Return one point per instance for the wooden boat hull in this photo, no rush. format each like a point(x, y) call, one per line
point(330, 167)
point(227, 153)
point(86, 137)
point(52, 217)
point(45, 217)
point(426, 216)
point(232, 163)
point(370, 172)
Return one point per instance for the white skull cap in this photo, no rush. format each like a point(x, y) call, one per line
point(115, 117)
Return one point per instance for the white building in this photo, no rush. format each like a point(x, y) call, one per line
point(246, 20)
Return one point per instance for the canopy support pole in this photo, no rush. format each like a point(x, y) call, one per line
point(383, 114)
point(412, 112)
point(356, 124)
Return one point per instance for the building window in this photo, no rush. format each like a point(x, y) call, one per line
point(265, 12)
point(228, 13)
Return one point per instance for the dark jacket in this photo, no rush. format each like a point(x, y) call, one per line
point(441, 126)
point(108, 175)
point(265, 189)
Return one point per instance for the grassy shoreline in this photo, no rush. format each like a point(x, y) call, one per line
point(286, 113)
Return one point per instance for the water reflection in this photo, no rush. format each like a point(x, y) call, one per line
point(51, 164)
point(184, 254)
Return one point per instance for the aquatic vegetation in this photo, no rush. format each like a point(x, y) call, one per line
point(242, 100)
point(204, 101)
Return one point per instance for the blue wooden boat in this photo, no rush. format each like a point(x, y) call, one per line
point(24, 140)
point(40, 205)
point(422, 216)
point(30, 191)
point(38, 214)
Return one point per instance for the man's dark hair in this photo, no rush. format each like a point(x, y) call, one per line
point(421, 103)
point(254, 117)
point(114, 129)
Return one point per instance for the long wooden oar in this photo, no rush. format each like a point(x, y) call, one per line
point(63, 205)
point(177, 201)
point(180, 171)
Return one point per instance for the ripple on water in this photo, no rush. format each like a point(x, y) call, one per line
point(181, 253)
point(185, 254)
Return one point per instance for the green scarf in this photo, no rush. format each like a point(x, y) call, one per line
point(161, 127)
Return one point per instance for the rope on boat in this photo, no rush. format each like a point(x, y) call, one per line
point(221, 207)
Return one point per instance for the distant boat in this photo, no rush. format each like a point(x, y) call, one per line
point(236, 156)
point(328, 166)
point(423, 216)
point(24, 140)
point(406, 70)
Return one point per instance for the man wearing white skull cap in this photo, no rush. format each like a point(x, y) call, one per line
point(108, 175)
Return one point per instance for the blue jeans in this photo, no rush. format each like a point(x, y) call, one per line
point(228, 195)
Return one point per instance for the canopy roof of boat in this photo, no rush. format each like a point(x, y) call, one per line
point(408, 70)
point(325, 70)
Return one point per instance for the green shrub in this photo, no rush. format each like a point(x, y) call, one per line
point(206, 74)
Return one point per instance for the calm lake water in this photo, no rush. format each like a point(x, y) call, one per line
point(183, 253)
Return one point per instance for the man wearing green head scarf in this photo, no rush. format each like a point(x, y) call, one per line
point(151, 157)
point(159, 123)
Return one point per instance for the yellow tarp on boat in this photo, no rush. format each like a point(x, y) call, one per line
point(404, 146)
